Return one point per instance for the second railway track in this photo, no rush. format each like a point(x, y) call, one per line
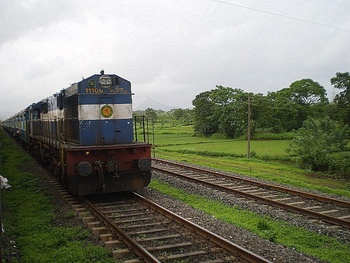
point(330, 210)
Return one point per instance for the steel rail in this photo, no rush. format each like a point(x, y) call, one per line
point(224, 243)
point(264, 185)
point(125, 238)
point(324, 217)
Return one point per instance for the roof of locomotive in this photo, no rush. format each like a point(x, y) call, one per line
point(74, 89)
point(94, 82)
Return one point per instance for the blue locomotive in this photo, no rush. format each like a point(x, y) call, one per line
point(87, 135)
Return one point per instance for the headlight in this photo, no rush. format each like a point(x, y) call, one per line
point(105, 81)
point(84, 168)
point(144, 164)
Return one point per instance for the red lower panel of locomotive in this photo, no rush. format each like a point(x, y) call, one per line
point(107, 169)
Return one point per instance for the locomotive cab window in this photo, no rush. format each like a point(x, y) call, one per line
point(45, 107)
point(36, 114)
point(60, 98)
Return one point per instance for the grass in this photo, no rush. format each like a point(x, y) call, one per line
point(323, 247)
point(233, 148)
point(174, 129)
point(271, 163)
point(29, 217)
point(270, 160)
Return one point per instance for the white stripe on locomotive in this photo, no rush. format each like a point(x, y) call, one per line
point(93, 111)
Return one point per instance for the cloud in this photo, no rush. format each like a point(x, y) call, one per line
point(169, 50)
point(22, 16)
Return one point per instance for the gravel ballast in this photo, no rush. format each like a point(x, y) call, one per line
point(244, 238)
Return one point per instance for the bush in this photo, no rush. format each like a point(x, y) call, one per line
point(218, 136)
point(340, 164)
point(316, 141)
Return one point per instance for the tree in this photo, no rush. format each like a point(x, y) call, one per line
point(221, 110)
point(307, 92)
point(263, 114)
point(233, 113)
point(317, 140)
point(342, 100)
point(183, 116)
point(204, 119)
point(285, 113)
point(291, 106)
point(342, 81)
point(151, 114)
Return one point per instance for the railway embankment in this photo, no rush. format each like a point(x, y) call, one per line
point(38, 226)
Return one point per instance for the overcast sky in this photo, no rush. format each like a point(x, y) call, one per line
point(170, 50)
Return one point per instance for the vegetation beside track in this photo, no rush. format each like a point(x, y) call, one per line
point(269, 161)
point(34, 230)
point(320, 246)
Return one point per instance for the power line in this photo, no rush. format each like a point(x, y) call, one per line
point(335, 2)
point(280, 15)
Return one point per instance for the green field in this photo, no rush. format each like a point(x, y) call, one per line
point(269, 161)
point(273, 148)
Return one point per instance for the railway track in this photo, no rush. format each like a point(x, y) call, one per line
point(136, 229)
point(330, 210)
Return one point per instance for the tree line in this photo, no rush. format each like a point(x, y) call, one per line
point(321, 127)
point(224, 110)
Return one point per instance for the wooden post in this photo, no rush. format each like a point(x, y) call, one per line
point(248, 131)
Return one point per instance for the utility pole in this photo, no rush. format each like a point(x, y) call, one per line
point(248, 131)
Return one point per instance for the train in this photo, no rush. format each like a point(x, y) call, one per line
point(88, 137)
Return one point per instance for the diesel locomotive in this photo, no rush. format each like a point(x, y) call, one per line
point(87, 135)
